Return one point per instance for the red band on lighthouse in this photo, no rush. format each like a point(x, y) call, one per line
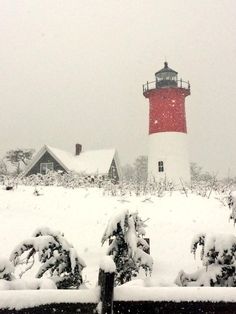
point(167, 110)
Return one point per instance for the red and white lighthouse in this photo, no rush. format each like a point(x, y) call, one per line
point(168, 149)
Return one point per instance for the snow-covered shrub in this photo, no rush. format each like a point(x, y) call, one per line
point(9, 282)
point(218, 255)
point(67, 180)
point(157, 188)
point(207, 186)
point(232, 205)
point(6, 270)
point(81, 180)
point(125, 233)
point(57, 256)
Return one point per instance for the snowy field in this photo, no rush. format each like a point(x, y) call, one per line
point(82, 214)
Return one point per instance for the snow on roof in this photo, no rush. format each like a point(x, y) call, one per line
point(90, 162)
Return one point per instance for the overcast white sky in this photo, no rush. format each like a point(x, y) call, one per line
point(72, 72)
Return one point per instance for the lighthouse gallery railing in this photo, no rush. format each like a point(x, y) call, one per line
point(175, 84)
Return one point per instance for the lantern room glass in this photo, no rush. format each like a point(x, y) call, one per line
point(168, 78)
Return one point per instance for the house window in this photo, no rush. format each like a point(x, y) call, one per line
point(160, 166)
point(45, 167)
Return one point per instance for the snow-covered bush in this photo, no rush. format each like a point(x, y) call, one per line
point(208, 186)
point(9, 282)
point(125, 233)
point(6, 270)
point(232, 205)
point(155, 188)
point(67, 180)
point(57, 256)
point(218, 255)
point(81, 180)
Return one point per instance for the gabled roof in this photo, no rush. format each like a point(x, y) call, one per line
point(89, 162)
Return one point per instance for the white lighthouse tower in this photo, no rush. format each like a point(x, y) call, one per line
point(168, 149)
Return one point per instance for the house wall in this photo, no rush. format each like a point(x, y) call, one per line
point(45, 158)
point(113, 173)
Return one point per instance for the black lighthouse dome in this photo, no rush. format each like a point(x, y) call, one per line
point(166, 77)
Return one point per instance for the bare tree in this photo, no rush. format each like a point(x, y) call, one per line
point(197, 173)
point(138, 171)
point(141, 168)
point(3, 167)
point(128, 172)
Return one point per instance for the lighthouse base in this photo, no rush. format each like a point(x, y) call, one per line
point(168, 158)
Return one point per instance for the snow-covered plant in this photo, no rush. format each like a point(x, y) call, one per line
point(8, 280)
point(6, 270)
point(67, 180)
point(208, 185)
point(3, 167)
point(198, 240)
point(57, 256)
point(232, 205)
point(218, 255)
point(125, 233)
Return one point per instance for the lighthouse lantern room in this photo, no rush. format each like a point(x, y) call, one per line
point(168, 150)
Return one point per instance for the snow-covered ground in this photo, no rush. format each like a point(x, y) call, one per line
point(82, 214)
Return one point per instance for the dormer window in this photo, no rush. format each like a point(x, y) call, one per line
point(160, 166)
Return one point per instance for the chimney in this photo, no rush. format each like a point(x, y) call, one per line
point(78, 149)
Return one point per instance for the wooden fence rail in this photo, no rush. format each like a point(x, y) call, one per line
point(129, 307)
point(55, 308)
point(118, 306)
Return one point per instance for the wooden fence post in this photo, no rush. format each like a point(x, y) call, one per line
point(106, 282)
